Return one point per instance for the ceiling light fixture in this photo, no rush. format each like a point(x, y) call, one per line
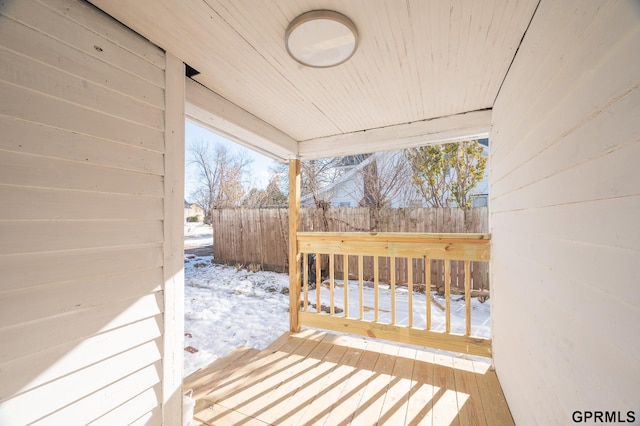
point(321, 38)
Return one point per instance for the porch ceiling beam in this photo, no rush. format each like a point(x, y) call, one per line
point(470, 125)
point(216, 113)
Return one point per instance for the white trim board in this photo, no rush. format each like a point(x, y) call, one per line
point(212, 111)
point(173, 332)
point(470, 125)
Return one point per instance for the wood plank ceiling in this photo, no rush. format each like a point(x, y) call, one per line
point(417, 60)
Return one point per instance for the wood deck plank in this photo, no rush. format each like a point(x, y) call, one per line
point(494, 404)
point(351, 394)
point(284, 399)
point(445, 404)
point(278, 343)
point(329, 398)
point(319, 378)
point(257, 394)
point(467, 392)
point(310, 397)
point(394, 408)
point(216, 414)
point(420, 408)
point(262, 365)
point(199, 381)
point(370, 406)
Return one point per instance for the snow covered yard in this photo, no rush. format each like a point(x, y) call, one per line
point(226, 308)
point(197, 234)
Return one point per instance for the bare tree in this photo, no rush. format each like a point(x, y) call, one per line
point(385, 181)
point(221, 175)
point(271, 196)
point(314, 176)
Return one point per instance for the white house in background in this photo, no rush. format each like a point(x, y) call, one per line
point(93, 100)
point(193, 210)
point(349, 190)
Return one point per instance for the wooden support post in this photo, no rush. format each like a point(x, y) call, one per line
point(294, 258)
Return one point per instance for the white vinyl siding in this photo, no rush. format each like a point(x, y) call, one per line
point(565, 199)
point(82, 217)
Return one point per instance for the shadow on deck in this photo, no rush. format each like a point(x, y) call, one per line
point(315, 377)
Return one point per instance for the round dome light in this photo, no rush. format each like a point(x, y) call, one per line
point(321, 38)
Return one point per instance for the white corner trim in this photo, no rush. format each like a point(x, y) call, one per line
point(173, 245)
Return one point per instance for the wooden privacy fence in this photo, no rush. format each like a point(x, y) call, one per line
point(349, 315)
point(260, 237)
point(251, 236)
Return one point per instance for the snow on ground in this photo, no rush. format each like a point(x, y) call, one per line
point(197, 234)
point(197, 229)
point(480, 312)
point(198, 241)
point(226, 308)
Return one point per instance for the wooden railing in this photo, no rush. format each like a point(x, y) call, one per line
point(386, 310)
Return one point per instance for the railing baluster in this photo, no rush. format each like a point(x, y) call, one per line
point(361, 286)
point(410, 289)
point(305, 280)
point(332, 307)
point(376, 276)
point(318, 283)
point(467, 295)
point(427, 289)
point(447, 294)
point(345, 278)
point(392, 273)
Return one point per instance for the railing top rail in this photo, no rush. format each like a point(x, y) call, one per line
point(474, 247)
point(395, 236)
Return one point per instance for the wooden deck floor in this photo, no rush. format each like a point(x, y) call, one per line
point(318, 378)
